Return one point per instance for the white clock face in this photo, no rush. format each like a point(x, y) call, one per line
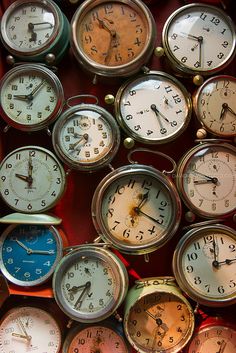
point(208, 180)
point(30, 25)
point(89, 284)
point(29, 329)
point(200, 38)
point(215, 105)
point(215, 338)
point(97, 281)
point(86, 137)
point(31, 179)
point(29, 97)
point(154, 108)
point(208, 265)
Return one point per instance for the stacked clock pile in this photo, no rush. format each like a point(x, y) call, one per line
point(136, 209)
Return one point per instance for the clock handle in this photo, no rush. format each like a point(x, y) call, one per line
point(166, 172)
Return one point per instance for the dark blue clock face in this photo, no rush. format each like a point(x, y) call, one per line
point(29, 254)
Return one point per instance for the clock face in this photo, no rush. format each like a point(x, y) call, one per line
point(205, 265)
point(26, 328)
point(159, 322)
point(138, 210)
point(199, 38)
point(31, 97)
point(153, 108)
point(215, 338)
point(215, 105)
point(31, 179)
point(30, 26)
point(207, 180)
point(97, 338)
point(86, 137)
point(103, 36)
point(29, 253)
point(89, 284)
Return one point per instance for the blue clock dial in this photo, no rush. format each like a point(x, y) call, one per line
point(29, 253)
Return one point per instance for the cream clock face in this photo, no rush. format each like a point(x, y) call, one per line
point(29, 329)
point(204, 265)
point(199, 38)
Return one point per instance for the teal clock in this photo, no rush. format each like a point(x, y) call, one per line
point(35, 30)
point(29, 253)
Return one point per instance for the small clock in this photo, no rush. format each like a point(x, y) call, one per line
point(199, 39)
point(157, 316)
point(105, 336)
point(101, 42)
point(214, 103)
point(29, 253)
point(29, 328)
point(205, 179)
point(31, 179)
point(153, 108)
point(35, 30)
point(136, 208)
point(204, 265)
point(86, 137)
point(31, 97)
point(90, 283)
point(214, 335)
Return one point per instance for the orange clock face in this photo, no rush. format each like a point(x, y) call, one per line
point(113, 33)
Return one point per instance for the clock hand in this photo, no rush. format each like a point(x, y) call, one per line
point(191, 36)
point(24, 330)
point(23, 246)
point(158, 113)
point(80, 300)
point(19, 335)
point(143, 200)
point(22, 177)
point(138, 211)
point(226, 262)
point(103, 25)
point(33, 37)
point(23, 97)
point(30, 169)
point(215, 263)
point(83, 137)
point(213, 180)
point(32, 25)
point(200, 41)
point(222, 347)
point(35, 90)
point(43, 252)
point(230, 110)
point(223, 111)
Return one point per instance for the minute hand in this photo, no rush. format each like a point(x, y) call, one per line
point(138, 211)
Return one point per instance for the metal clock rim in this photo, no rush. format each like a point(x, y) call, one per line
point(187, 239)
point(116, 175)
point(62, 172)
point(132, 133)
point(40, 280)
point(120, 70)
point(157, 286)
point(176, 63)
point(58, 90)
point(65, 116)
point(198, 93)
point(119, 271)
point(181, 165)
point(15, 49)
